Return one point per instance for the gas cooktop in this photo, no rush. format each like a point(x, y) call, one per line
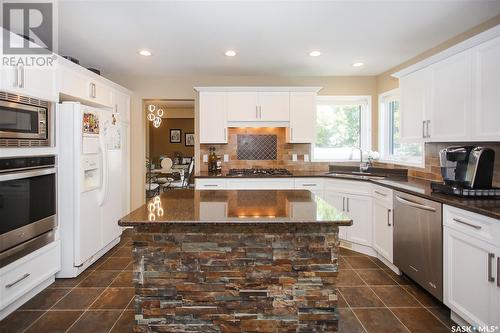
point(259, 172)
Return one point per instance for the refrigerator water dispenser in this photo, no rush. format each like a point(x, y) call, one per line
point(91, 173)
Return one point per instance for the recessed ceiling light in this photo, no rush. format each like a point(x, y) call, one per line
point(314, 53)
point(357, 64)
point(230, 53)
point(145, 53)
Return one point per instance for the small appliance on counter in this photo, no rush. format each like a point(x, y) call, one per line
point(467, 172)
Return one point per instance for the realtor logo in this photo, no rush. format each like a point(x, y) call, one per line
point(32, 21)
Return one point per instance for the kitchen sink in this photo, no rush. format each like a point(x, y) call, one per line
point(355, 175)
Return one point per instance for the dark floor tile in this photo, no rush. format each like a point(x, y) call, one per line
point(443, 314)
point(115, 264)
point(95, 321)
point(375, 277)
point(125, 323)
point(419, 320)
point(130, 267)
point(348, 323)
point(360, 297)
point(379, 263)
point(343, 264)
point(99, 278)
point(18, 321)
point(400, 279)
point(79, 299)
point(341, 302)
point(98, 262)
point(348, 278)
point(123, 252)
point(124, 279)
point(114, 298)
point(45, 299)
point(54, 322)
point(69, 282)
point(361, 262)
point(395, 296)
point(422, 295)
point(379, 321)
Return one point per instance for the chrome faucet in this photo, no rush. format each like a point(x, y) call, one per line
point(363, 167)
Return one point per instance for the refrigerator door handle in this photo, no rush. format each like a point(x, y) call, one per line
point(104, 171)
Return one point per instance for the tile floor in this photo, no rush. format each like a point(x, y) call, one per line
point(371, 299)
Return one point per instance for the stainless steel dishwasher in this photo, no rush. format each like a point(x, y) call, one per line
point(418, 241)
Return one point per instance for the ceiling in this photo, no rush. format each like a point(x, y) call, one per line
point(271, 37)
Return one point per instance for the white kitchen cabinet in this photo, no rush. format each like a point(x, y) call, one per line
point(383, 222)
point(213, 211)
point(213, 110)
point(450, 109)
point(302, 117)
point(76, 84)
point(260, 184)
point(471, 255)
point(121, 105)
point(337, 200)
point(274, 106)
point(486, 91)
point(414, 104)
point(210, 183)
point(242, 106)
point(313, 184)
point(358, 207)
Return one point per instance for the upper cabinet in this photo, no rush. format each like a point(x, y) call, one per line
point(454, 96)
point(212, 111)
point(302, 117)
point(33, 80)
point(291, 107)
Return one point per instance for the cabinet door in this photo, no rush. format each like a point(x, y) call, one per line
point(274, 106)
point(450, 99)
point(467, 288)
point(338, 201)
point(302, 117)
point(359, 208)
point(213, 113)
point(414, 101)
point(486, 91)
point(37, 82)
point(382, 229)
point(101, 94)
point(242, 106)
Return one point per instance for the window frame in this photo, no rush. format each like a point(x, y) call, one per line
point(385, 132)
point(366, 116)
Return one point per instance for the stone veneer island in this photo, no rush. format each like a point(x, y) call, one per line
point(236, 261)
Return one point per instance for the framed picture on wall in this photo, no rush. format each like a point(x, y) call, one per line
point(175, 135)
point(189, 139)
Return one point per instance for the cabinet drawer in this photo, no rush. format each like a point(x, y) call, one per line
point(22, 275)
point(210, 184)
point(348, 186)
point(472, 224)
point(260, 184)
point(382, 194)
point(312, 184)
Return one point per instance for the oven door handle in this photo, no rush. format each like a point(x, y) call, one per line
point(27, 174)
point(414, 204)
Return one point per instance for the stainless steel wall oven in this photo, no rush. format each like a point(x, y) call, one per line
point(24, 121)
point(27, 205)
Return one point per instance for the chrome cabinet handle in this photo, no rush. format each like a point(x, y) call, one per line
point(382, 194)
point(21, 83)
point(91, 90)
point(309, 184)
point(210, 185)
point(478, 227)
point(12, 284)
point(343, 204)
point(498, 272)
point(388, 217)
point(427, 128)
point(491, 278)
point(423, 129)
point(348, 205)
point(414, 204)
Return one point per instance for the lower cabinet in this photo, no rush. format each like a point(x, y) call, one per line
point(382, 229)
point(471, 266)
point(337, 200)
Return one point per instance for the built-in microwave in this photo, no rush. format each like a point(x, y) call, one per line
point(24, 121)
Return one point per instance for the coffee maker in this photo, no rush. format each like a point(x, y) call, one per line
point(467, 171)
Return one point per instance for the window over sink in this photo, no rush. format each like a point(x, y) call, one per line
point(343, 124)
point(392, 148)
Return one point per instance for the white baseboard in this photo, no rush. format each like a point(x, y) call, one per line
point(26, 297)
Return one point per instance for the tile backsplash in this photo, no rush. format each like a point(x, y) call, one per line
point(256, 147)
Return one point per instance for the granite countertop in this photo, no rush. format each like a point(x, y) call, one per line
point(411, 185)
point(236, 207)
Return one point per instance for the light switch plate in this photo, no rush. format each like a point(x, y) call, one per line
point(306, 157)
point(205, 158)
point(226, 157)
point(294, 157)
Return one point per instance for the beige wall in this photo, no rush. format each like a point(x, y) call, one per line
point(182, 88)
point(159, 138)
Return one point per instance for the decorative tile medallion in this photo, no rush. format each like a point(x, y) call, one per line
point(257, 147)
